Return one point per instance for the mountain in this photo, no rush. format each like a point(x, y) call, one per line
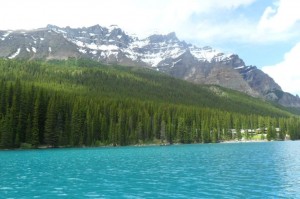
point(165, 53)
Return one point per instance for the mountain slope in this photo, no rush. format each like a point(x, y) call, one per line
point(37, 44)
point(94, 79)
point(165, 53)
point(84, 103)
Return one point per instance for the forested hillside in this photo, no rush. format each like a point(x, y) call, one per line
point(85, 103)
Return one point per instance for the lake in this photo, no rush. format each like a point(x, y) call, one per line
point(235, 170)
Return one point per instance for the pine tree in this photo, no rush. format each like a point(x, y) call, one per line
point(104, 129)
point(6, 131)
point(163, 131)
point(10, 96)
point(35, 138)
point(139, 132)
point(3, 91)
point(205, 132)
point(28, 129)
point(170, 129)
point(42, 115)
point(282, 129)
point(181, 130)
point(22, 118)
point(77, 125)
point(90, 128)
point(51, 135)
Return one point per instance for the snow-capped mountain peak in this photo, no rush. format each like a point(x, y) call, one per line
point(112, 44)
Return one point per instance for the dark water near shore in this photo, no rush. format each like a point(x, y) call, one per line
point(237, 170)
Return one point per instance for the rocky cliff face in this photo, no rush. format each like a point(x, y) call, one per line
point(37, 44)
point(165, 53)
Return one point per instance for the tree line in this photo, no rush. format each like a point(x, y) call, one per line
point(31, 115)
point(86, 103)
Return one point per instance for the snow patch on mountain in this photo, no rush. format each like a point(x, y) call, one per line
point(57, 30)
point(174, 63)
point(107, 48)
point(82, 50)
point(78, 43)
point(153, 52)
point(139, 43)
point(240, 67)
point(152, 59)
point(208, 54)
point(15, 54)
point(6, 35)
point(130, 54)
point(112, 42)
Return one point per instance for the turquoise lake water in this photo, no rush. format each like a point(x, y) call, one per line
point(237, 170)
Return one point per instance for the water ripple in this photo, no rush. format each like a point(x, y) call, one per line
point(250, 170)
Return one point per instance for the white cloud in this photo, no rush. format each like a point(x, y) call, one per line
point(196, 20)
point(137, 16)
point(280, 17)
point(144, 17)
point(287, 73)
point(280, 22)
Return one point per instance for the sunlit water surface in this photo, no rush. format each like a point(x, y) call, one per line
point(238, 170)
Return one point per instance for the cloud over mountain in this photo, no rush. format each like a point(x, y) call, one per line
point(286, 73)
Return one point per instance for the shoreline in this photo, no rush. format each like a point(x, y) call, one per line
point(43, 147)
point(246, 141)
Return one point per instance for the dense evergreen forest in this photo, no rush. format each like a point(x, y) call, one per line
point(85, 103)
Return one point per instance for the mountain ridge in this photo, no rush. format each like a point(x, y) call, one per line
point(165, 53)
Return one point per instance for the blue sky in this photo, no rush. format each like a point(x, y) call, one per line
point(264, 33)
point(253, 53)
